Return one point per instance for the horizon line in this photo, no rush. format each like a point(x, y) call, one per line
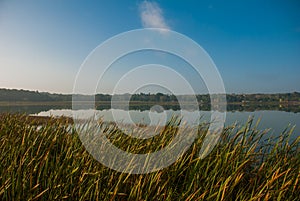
point(126, 93)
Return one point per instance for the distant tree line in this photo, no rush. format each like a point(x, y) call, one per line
point(14, 95)
point(278, 97)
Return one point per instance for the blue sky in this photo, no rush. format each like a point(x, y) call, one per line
point(254, 44)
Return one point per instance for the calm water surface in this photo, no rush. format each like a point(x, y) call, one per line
point(276, 121)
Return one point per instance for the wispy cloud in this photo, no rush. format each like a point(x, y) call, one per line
point(152, 15)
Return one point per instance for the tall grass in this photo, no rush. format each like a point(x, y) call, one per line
point(50, 163)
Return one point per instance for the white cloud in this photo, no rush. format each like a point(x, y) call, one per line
point(152, 15)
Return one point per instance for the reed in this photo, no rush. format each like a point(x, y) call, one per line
point(50, 163)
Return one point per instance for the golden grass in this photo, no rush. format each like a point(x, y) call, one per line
point(50, 163)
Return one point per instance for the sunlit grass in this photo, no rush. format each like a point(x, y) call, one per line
point(50, 163)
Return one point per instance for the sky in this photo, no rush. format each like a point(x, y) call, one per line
point(255, 45)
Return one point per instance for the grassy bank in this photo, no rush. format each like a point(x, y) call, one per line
point(50, 163)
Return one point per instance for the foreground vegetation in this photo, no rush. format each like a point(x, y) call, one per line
point(48, 162)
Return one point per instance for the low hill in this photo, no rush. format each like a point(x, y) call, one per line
point(15, 95)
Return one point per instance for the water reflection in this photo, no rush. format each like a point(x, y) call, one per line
point(275, 117)
point(34, 109)
point(31, 109)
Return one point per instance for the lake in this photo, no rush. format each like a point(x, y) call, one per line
point(277, 121)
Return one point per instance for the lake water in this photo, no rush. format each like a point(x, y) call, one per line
point(277, 121)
